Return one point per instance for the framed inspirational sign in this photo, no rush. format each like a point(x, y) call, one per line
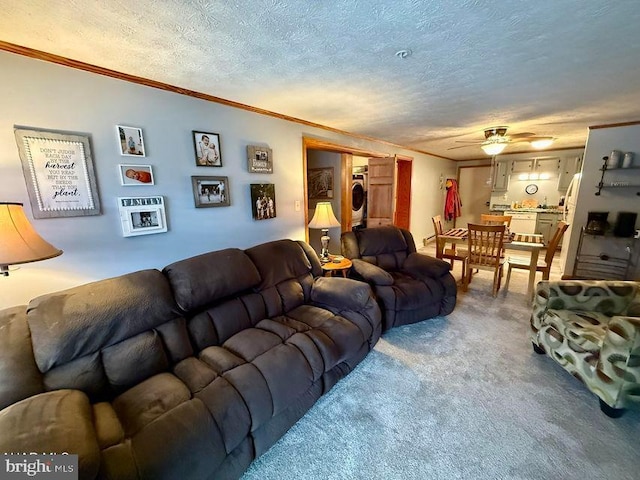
point(58, 170)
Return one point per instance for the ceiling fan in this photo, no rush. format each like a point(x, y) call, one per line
point(496, 139)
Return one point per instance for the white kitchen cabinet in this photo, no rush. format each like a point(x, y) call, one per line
point(568, 168)
point(500, 176)
point(522, 166)
point(547, 165)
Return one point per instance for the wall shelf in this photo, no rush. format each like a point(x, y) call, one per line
point(615, 184)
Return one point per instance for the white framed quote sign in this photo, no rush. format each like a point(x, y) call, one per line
point(59, 173)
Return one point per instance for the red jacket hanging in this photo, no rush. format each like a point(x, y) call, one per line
point(452, 204)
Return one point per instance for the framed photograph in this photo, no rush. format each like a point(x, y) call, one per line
point(211, 191)
point(207, 148)
point(263, 201)
point(142, 215)
point(130, 141)
point(259, 159)
point(132, 175)
point(59, 173)
point(320, 182)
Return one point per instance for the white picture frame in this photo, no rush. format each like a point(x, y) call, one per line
point(130, 141)
point(135, 175)
point(142, 215)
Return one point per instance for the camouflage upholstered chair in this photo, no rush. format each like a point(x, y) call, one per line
point(592, 329)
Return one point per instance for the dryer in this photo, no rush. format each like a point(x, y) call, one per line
point(359, 200)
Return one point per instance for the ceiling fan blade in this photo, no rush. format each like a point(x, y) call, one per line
point(522, 135)
point(471, 142)
point(463, 146)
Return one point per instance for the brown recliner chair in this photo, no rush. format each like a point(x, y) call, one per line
point(409, 286)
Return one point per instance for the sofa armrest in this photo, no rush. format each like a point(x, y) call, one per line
point(421, 266)
point(342, 293)
point(618, 362)
point(372, 273)
point(53, 422)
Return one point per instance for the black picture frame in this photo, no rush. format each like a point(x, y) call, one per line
point(207, 150)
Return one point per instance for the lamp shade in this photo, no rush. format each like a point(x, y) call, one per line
point(323, 217)
point(19, 242)
point(493, 148)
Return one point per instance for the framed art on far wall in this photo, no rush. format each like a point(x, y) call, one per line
point(210, 191)
point(263, 201)
point(320, 182)
point(207, 149)
point(131, 175)
point(130, 141)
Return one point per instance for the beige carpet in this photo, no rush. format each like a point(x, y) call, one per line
point(461, 397)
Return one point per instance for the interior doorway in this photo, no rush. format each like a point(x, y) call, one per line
point(345, 182)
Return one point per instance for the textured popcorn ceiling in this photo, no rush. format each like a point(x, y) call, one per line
point(552, 67)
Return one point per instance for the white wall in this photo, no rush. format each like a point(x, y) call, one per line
point(601, 142)
point(43, 95)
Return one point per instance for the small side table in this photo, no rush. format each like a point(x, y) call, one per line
point(343, 266)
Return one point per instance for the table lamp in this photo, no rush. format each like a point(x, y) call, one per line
point(19, 242)
point(323, 218)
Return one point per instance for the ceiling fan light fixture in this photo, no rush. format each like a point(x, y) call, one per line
point(493, 148)
point(542, 143)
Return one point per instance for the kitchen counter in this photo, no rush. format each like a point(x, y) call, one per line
point(529, 210)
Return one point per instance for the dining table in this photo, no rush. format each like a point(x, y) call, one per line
point(528, 242)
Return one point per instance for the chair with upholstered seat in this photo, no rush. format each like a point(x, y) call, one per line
point(450, 253)
point(485, 247)
point(544, 265)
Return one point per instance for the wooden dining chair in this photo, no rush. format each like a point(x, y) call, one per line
point(450, 253)
point(485, 244)
point(544, 265)
point(489, 219)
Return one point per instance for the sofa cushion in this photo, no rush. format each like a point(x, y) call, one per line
point(148, 400)
point(92, 319)
point(202, 280)
point(279, 261)
point(16, 358)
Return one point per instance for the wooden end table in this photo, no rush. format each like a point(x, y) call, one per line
point(343, 266)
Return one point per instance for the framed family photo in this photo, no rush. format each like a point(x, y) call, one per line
point(263, 201)
point(131, 175)
point(320, 182)
point(259, 159)
point(142, 215)
point(130, 141)
point(210, 191)
point(207, 149)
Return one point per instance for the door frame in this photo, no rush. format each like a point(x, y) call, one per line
point(309, 143)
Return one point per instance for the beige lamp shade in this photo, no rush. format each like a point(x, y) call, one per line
point(19, 242)
point(323, 217)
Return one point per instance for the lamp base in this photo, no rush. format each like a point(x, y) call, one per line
point(324, 241)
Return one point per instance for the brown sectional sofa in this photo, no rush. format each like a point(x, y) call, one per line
point(187, 373)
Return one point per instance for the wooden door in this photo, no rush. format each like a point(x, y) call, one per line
point(403, 194)
point(380, 193)
point(474, 187)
